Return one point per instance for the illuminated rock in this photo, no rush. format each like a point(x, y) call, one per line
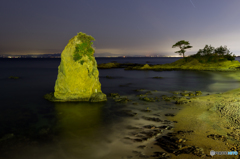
point(78, 76)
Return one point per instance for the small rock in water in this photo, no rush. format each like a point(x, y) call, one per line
point(142, 147)
point(184, 94)
point(174, 92)
point(138, 90)
point(13, 77)
point(161, 155)
point(132, 127)
point(109, 77)
point(126, 113)
point(114, 95)
point(166, 127)
point(137, 140)
point(169, 114)
point(157, 77)
point(217, 137)
point(122, 100)
point(166, 122)
point(152, 119)
point(149, 126)
point(147, 99)
point(197, 93)
point(181, 102)
point(151, 133)
point(146, 110)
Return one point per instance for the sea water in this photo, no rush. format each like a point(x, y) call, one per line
point(32, 127)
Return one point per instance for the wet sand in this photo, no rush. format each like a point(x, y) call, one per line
point(212, 114)
point(214, 120)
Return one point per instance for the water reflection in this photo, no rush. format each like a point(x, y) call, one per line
point(224, 81)
point(79, 125)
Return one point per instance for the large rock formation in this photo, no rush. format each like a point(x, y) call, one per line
point(78, 76)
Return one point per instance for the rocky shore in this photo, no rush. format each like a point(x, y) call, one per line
point(206, 123)
point(213, 122)
point(160, 139)
point(177, 124)
point(203, 123)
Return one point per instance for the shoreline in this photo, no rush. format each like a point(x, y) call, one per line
point(209, 116)
point(181, 64)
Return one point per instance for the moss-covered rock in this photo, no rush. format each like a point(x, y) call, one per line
point(197, 93)
point(122, 100)
point(181, 102)
point(185, 94)
point(109, 65)
point(166, 98)
point(141, 95)
point(78, 76)
point(147, 99)
point(114, 95)
point(191, 94)
point(146, 66)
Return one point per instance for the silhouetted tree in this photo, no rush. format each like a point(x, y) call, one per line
point(211, 54)
point(182, 45)
point(207, 50)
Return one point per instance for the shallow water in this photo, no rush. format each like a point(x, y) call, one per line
point(42, 129)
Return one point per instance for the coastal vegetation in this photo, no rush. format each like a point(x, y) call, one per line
point(206, 59)
point(211, 55)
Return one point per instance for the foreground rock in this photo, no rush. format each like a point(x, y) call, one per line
point(78, 76)
point(177, 146)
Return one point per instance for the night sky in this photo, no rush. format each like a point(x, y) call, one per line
point(120, 27)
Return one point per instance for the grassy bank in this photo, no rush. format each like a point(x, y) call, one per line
point(192, 64)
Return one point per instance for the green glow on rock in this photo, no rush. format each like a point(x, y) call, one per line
point(78, 76)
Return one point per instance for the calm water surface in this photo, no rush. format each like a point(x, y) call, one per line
point(32, 127)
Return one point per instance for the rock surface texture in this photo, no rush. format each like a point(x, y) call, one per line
point(78, 76)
